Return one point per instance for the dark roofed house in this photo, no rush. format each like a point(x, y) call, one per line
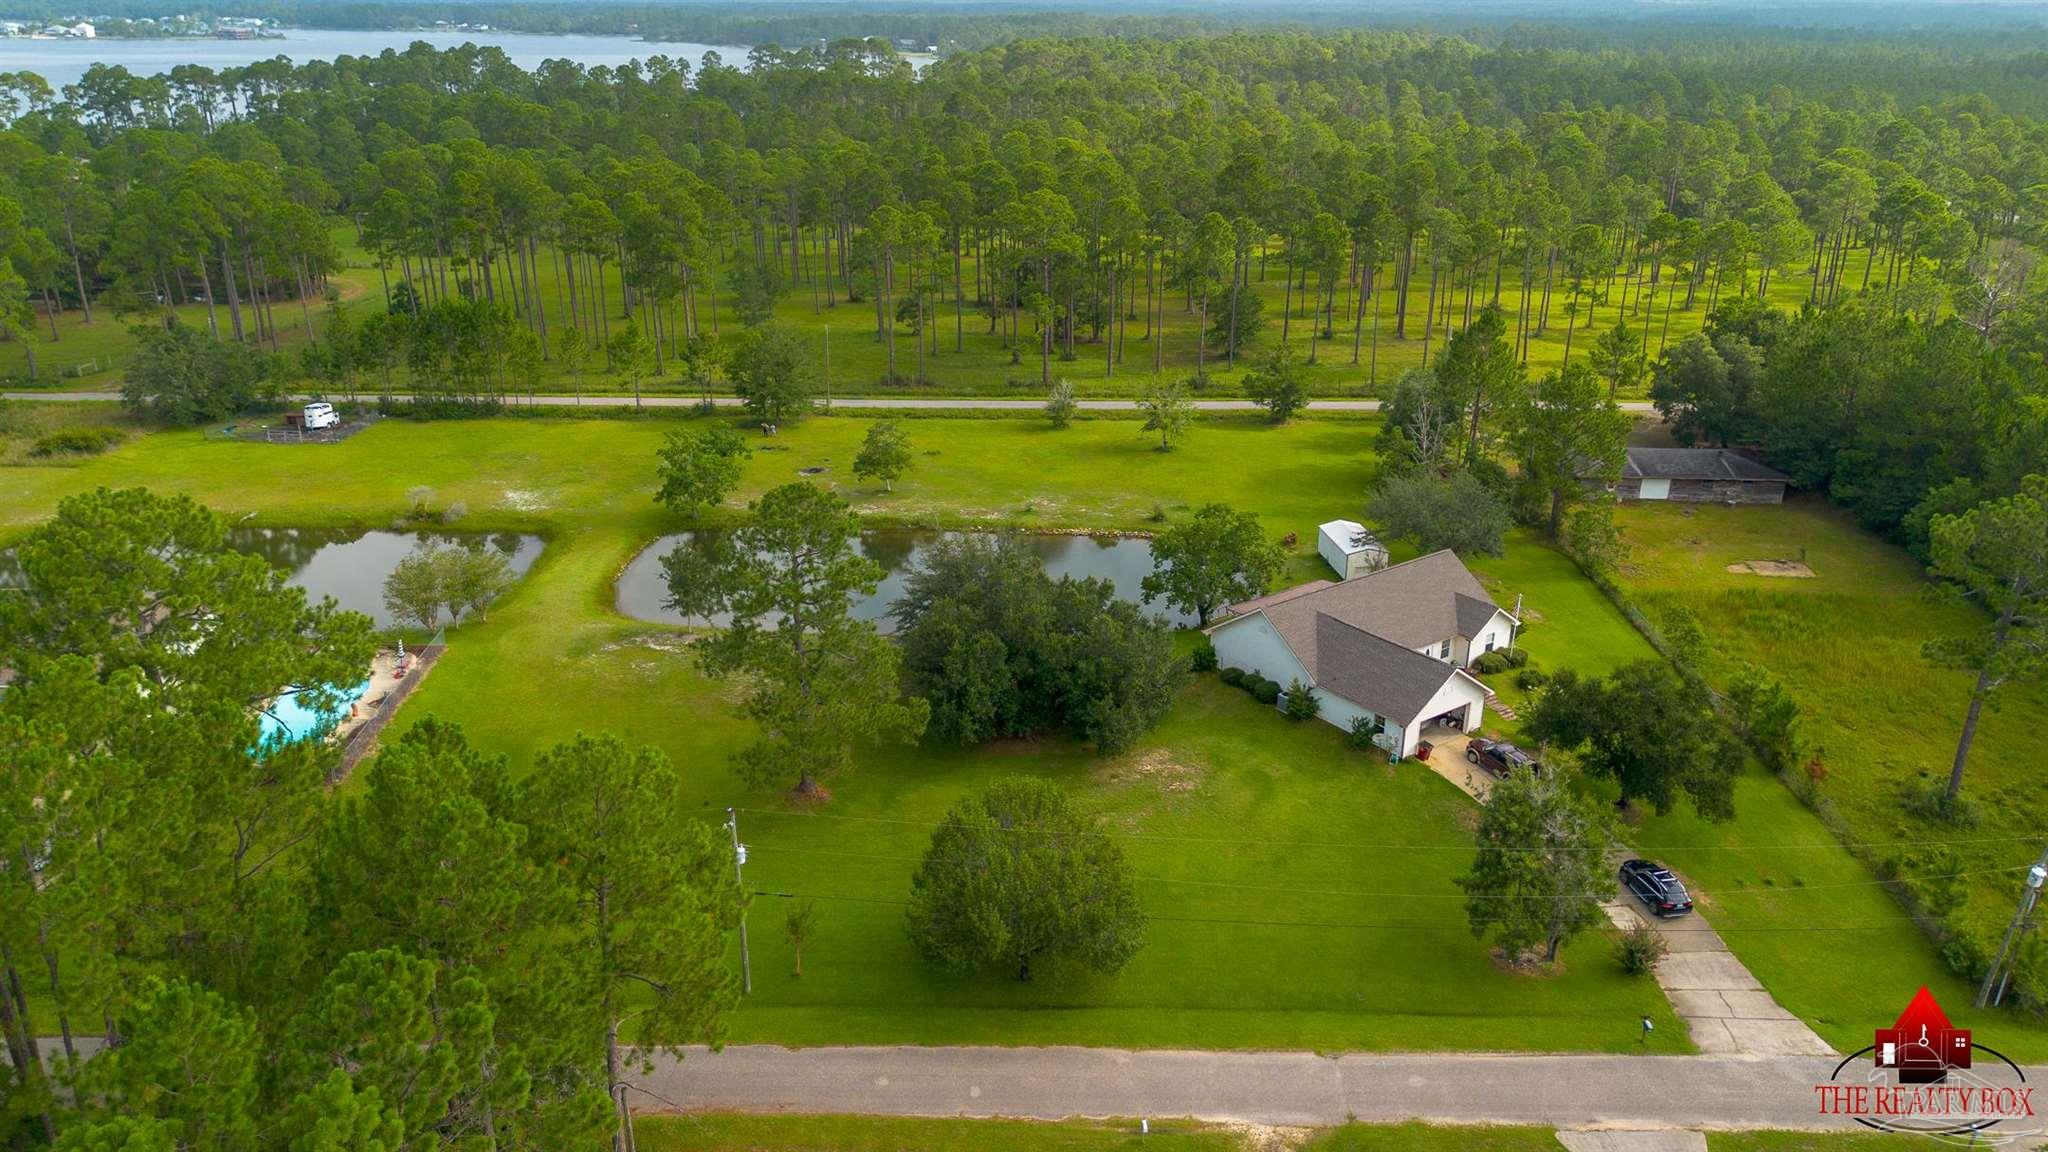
point(1699, 476)
point(1390, 646)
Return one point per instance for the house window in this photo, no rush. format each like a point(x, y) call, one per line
point(1444, 653)
point(1489, 642)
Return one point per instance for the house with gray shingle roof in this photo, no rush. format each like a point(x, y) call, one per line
point(1391, 646)
point(1698, 476)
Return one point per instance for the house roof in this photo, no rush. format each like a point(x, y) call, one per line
point(1359, 639)
point(1373, 673)
point(1695, 464)
point(1418, 602)
point(1350, 536)
point(1247, 607)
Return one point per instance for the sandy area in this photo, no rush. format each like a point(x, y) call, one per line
point(384, 677)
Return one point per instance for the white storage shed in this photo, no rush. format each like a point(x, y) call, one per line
point(1349, 549)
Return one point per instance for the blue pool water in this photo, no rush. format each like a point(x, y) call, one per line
point(288, 721)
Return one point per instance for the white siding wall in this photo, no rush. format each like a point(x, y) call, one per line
point(1253, 644)
point(1332, 554)
point(1458, 690)
point(1498, 630)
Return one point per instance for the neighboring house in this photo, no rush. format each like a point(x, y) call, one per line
point(1349, 549)
point(1390, 646)
point(1699, 476)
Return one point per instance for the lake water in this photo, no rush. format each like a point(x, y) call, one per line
point(62, 62)
point(1124, 561)
point(351, 565)
point(347, 564)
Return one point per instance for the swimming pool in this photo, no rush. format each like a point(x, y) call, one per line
point(287, 720)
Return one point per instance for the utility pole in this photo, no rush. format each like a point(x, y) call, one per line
point(739, 863)
point(1997, 977)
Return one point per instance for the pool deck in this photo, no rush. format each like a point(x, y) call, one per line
point(366, 719)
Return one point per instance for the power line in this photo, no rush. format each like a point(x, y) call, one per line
point(1466, 846)
point(1348, 924)
point(1407, 895)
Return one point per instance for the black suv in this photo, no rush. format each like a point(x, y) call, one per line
point(1655, 886)
point(1499, 757)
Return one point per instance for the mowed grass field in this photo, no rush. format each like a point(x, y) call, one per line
point(1300, 892)
point(91, 356)
point(1847, 644)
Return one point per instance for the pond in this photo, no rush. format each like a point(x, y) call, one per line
point(350, 565)
point(1124, 561)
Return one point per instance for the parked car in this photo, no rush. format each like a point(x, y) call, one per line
point(1656, 887)
point(321, 414)
point(1500, 757)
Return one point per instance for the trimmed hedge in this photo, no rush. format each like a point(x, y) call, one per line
point(1264, 691)
point(1203, 658)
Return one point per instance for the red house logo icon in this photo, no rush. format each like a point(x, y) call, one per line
point(1922, 1045)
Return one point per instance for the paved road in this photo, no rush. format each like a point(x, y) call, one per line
point(898, 402)
point(1276, 1088)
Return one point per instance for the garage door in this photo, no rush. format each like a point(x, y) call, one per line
point(1656, 490)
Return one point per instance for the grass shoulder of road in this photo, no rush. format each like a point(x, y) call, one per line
point(723, 1131)
point(1300, 892)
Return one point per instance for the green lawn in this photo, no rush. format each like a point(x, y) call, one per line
point(91, 355)
point(728, 1131)
point(1300, 892)
point(1847, 644)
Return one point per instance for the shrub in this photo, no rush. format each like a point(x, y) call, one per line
point(1301, 703)
point(1518, 657)
point(1363, 729)
point(1265, 691)
point(1231, 676)
point(1490, 663)
point(1934, 803)
point(84, 440)
point(1530, 679)
point(1639, 950)
point(1966, 953)
point(1203, 658)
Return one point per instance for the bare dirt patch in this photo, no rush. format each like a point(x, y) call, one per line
point(1789, 568)
point(1158, 767)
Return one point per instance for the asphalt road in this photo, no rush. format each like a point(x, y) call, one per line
point(994, 403)
point(1272, 1088)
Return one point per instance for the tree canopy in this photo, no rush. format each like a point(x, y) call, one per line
point(1018, 880)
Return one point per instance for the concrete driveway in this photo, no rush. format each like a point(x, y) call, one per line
point(1447, 759)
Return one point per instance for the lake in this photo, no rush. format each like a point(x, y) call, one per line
point(62, 62)
point(347, 564)
point(1124, 561)
point(351, 565)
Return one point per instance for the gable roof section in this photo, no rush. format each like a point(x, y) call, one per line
point(1695, 464)
point(1473, 614)
point(1375, 674)
point(1247, 607)
point(1411, 604)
